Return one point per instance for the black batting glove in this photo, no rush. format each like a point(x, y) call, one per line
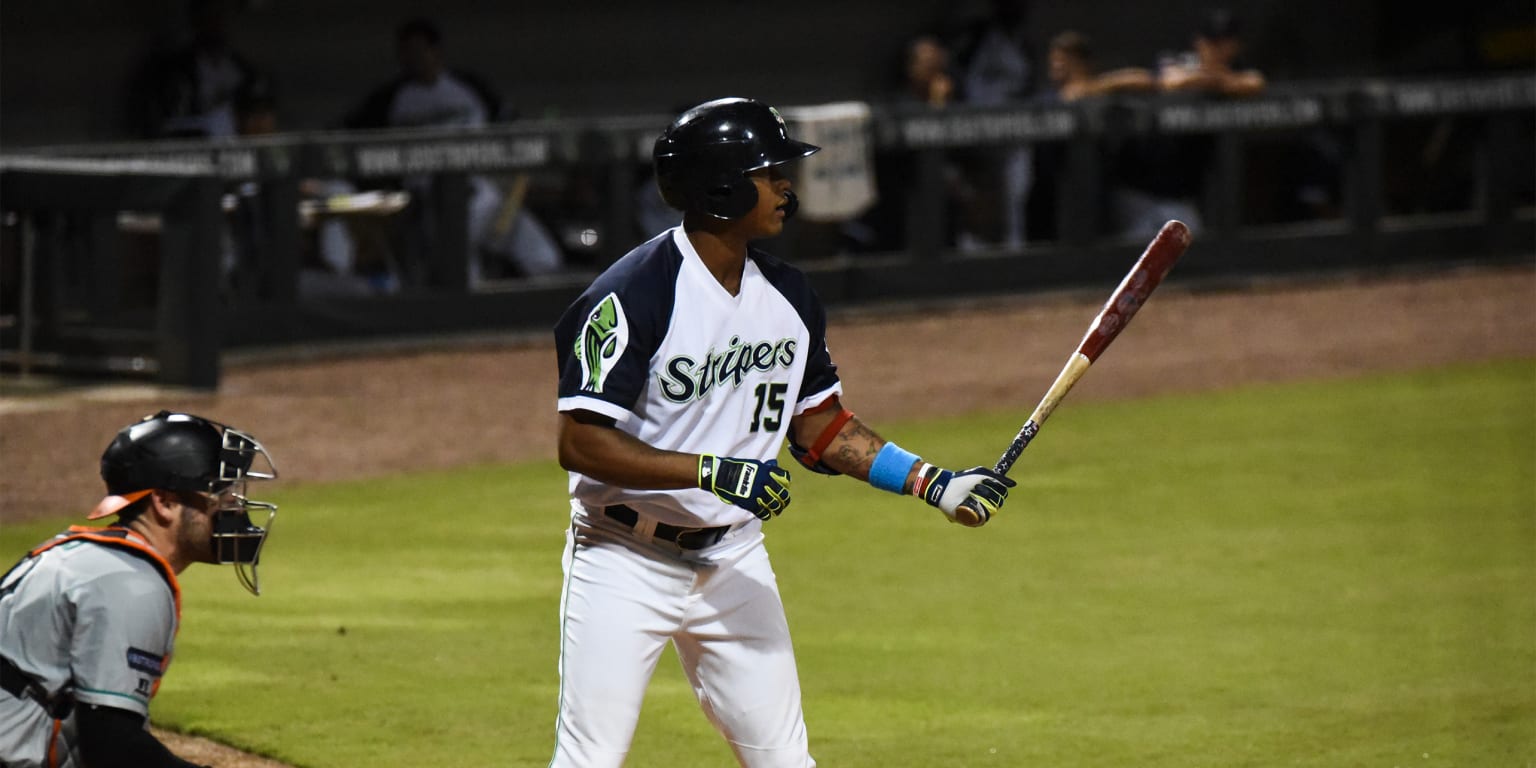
point(760, 487)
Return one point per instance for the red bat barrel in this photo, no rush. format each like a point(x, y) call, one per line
point(1149, 270)
point(1128, 297)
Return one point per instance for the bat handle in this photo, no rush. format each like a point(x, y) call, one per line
point(1009, 457)
point(1020, 442)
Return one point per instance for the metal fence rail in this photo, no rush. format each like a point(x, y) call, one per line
point(65, 242)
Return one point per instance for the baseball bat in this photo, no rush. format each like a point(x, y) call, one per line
point(1132, 292)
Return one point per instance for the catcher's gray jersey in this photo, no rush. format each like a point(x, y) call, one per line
point(93, 620)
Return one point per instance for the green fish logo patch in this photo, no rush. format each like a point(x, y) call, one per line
point(602, 342)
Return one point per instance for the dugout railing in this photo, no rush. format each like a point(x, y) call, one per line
point(86, 284)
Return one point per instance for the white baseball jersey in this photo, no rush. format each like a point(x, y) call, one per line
point(660, 346)
point(679, 362)
point(94, 621)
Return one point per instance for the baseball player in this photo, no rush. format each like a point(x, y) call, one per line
point(88, 620)
point(683, 368)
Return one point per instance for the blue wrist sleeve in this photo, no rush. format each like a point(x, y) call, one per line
point(891, 467)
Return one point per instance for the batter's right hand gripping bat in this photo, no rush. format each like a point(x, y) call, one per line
point(1133, 291)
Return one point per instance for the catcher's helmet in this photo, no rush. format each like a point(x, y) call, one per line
point(703, 157)
point(180, 452)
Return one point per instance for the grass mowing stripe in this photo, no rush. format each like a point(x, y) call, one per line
point(1315, 574)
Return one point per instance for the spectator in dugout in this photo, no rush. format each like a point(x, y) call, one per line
point(189, 92)
point(427, 92)
point(996, 70)
point(1213, 67)
point(503, 235)
point(1074, 75)
point(922, 77)
point(1162, 177)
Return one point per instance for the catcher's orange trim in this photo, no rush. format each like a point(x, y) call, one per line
point(53, 744)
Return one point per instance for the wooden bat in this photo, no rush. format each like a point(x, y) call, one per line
point(1133, 291)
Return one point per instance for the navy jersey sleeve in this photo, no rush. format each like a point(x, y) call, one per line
point(606, 338)
point(820, 371)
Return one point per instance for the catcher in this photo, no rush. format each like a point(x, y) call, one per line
point(88, 619)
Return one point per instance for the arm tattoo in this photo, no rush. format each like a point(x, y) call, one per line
point(853, 450)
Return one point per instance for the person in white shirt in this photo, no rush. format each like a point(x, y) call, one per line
point(430, 94)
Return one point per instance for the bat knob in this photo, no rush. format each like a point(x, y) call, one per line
point(970, 516)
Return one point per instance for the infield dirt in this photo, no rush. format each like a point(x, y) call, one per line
point(359, 416)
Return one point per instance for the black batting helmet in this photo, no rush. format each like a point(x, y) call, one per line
point(703, 157)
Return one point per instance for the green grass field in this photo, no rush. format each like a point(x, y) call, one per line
point(1325, 574)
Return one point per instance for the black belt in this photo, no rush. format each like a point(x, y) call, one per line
point(19, 684)
point(687, 538)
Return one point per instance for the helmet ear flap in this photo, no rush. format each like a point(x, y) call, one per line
point(731, 200)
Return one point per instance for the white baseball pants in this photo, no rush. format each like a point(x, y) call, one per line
point(625, 598)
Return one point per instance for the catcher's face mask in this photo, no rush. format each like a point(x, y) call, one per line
point(236, 539)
